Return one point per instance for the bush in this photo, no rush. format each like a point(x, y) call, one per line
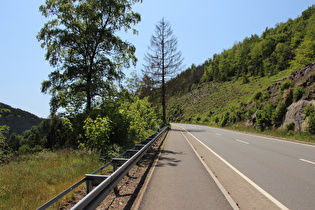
point(311, 123)
point(225, 119)
point(257, 96)
point(264, 117)
point(245, 79)
point(278, 114)
point(308, 110)
point(298, 93)
point(25, 149)
point(286, 85)
point(290, 126)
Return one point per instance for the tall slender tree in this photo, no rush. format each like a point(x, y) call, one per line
point(82, 45)
point(163, 60)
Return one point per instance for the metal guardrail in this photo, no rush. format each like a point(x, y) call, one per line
point(105, 183)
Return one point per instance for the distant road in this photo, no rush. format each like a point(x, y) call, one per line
point(282, 171)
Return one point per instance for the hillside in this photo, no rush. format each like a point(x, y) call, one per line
point(264, 82)
point(209, 102)
point(17, 119)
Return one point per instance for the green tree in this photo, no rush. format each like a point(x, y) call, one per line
point(82, 45)
point(163, 60)
point(142, 117)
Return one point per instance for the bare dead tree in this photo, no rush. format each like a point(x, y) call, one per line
point(163, 60)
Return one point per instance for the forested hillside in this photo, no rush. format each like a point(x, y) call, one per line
point(18, 120)
point(255, 83)
point(288, 45)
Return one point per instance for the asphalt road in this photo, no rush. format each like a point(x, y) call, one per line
point(180, 180)
point(285, 170)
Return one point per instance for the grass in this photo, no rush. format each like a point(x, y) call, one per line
point(220, 97)
point(30, 181)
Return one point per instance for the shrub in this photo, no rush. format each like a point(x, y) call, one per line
point(264, 117)
point(245, 79)
point(298, 93)
point(97, 132)
point(311, 123)
point(198, 118)
point(278, 114)
point(290, 126)
point(25, 149)
point(257, 96)
point(308, 110)
point(286, 85)
point(225, 119)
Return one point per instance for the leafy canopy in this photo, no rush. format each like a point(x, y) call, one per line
point(81, 44)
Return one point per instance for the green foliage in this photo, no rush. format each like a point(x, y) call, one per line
point(298, 93)
point(308, 110)
point(288, 45)
point(29, 181)
point(279, 114)
point(264, 117)
point(142, 117)
point(311, 123)
point(97, 132)
point(225, 119)
point(290, 126)
point(257, 96)
point(82, 45)
point(286, 85)
point(245, 79)
point(5, 153)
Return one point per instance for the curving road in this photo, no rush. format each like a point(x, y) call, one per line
point(281, 171)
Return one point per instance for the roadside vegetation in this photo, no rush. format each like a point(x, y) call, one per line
point(249, 87)
point(252, 85)
point(29, 181)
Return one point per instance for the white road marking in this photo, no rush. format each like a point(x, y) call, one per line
point(275, 201)
point(218, 134)
point(223, 190)
point(244, 142)
point(307, 161)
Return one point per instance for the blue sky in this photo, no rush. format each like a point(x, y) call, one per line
point(202, 27)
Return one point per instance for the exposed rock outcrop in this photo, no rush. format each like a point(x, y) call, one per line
point(295, 114)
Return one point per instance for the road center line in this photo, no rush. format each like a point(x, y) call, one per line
point(270, 197)
point(244, 142)
point(218, 134)
point(307, 161)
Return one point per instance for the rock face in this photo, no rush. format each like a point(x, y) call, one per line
point(295, 114)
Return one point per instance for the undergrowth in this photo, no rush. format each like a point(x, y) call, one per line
point(30, 181)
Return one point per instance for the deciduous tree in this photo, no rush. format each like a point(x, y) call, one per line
point(82, 45)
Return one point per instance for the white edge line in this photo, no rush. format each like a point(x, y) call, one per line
point(244, 142)
point(307, 161)
point(261, 136)
point(223, 190)
point(275, 201)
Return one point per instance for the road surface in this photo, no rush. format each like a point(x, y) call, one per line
point(180, 180)
point(257, 171)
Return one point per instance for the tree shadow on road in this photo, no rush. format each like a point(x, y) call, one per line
point(171, 161)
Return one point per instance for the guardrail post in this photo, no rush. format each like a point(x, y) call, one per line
point(89, 186)
point(114, 169)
